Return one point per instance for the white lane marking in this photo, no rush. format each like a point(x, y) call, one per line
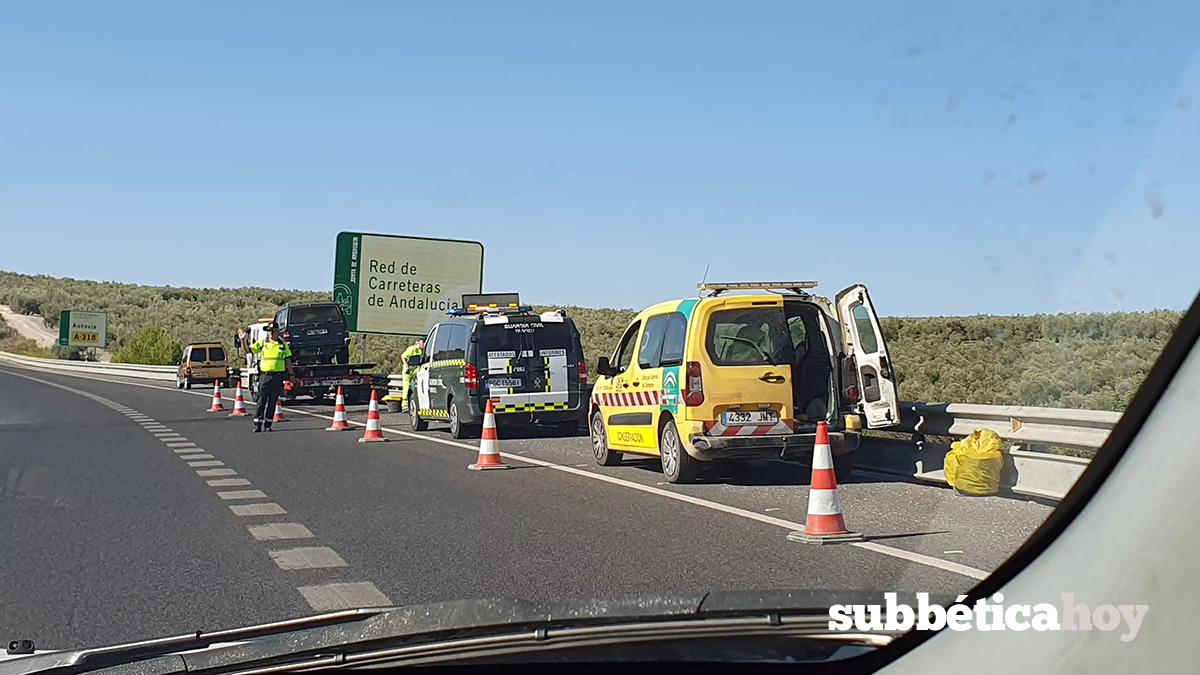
point(155, 427)
point(207, 462)
point(269, 509)
point(277, 531)
point(228, 482)
point(230, 495)
point(307, 558)
point(331, 597)
point(202, 455)
point(191, 447)
point(182, 444)
point(918, 558)
point(209, 473)
point(167, 434)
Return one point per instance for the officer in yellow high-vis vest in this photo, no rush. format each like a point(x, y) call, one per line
point(274, 367)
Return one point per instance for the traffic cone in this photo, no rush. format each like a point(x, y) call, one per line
point(373, 432)
point(239, 403)
point(489, 444)
point(278, 411)
point(339, 413)
point(825, 524)
point(216, 403)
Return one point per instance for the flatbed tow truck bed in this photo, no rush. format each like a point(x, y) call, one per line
point(323, 380)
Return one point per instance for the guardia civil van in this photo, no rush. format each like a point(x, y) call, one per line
point(530, 365)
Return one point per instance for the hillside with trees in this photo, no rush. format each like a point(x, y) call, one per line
point(1095, 361)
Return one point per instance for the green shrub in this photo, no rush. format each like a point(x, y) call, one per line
point(153, 346)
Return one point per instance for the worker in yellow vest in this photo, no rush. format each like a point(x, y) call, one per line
point(408, 372)
point(274, 368)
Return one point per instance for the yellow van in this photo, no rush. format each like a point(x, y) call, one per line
point(202, 363)
point(745, 370)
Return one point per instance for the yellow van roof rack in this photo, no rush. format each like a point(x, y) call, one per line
point(794, 286)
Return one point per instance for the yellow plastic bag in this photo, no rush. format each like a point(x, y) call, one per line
point(973, 464)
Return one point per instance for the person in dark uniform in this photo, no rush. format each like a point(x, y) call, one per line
point(274, 368)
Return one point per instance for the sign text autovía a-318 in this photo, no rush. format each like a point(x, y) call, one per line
point(82, 329)
point(400, 285)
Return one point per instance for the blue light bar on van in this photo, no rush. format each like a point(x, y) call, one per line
point(456, 311)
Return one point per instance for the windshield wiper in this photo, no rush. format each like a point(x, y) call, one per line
point(485, 629)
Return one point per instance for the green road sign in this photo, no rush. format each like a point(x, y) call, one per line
point(397, 285)
point(82, 329)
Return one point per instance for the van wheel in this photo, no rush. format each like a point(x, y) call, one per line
point(678, 466)
point(187, 383)
point(604, 456)
point(178, 383)
point(457, 428)
point(843, 465)
point(414, 418)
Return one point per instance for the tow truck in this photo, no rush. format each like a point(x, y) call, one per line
point(312, 376)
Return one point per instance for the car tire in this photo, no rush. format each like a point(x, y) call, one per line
point(600, 450)
point(678, 466)
point(843, 466)
point(457, 428)
point(187, 383)
point(178, 383)
point(343, 356)
point(414, 417)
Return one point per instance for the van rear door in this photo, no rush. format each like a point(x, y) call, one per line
point(529, 361)
point(746, 372)
point(877, 397)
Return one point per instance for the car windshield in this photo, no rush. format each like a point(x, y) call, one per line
point(596, 308)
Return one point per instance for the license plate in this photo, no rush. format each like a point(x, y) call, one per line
point(320, 331)
point(344, 382)
point(750, 417)
point(504, 383)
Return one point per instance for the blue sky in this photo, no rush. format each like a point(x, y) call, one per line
point(957, 157)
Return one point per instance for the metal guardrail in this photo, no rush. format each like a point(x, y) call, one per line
point(1025, 425)
point(134, 370)
point(1028, 469)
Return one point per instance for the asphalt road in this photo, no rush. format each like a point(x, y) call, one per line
point(127, 512)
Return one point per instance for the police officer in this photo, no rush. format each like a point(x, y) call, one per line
point(415, 350)
point(274, 367)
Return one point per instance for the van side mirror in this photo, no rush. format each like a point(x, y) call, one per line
point(414, 360)
point(603, 368)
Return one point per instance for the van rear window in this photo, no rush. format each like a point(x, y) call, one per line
point(315, 314)
point(524, 336)
point(755, 336)
point(199, 354)
point(216, 354)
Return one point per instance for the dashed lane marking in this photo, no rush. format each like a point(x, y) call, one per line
point(277, 531)
point(200, 456)
point(268, 509)
point(330, 597)
point(183, 451)
point(183, 444)
point(228, 482)
point(207, 462)
point(307, 558)
point(210, 473)
point(230, 495)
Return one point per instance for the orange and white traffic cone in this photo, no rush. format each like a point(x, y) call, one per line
point(373, 432)
point(489, 444)
point(239, 403)
point(278, 411)
point(825, 524)
point(339, 413)
point(216, 402)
